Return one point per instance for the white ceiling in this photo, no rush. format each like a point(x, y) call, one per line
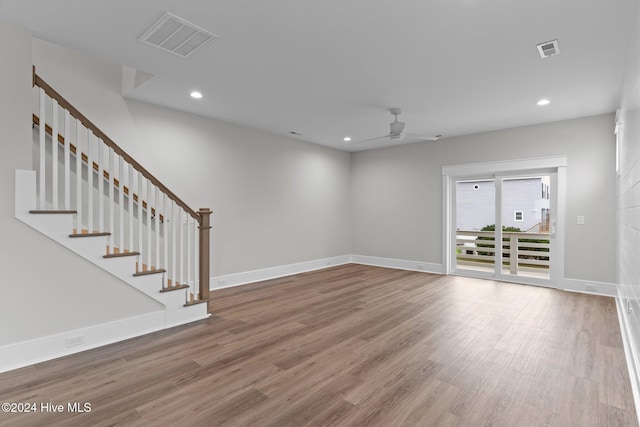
point(332, 68)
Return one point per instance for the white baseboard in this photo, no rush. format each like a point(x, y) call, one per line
point(243, 278)
point(400, 264)
point(590, 287)
point(25, 353)
point(630, 352)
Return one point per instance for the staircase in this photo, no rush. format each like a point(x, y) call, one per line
point(90, 196)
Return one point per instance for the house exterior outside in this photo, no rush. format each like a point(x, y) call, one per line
point(525, 204)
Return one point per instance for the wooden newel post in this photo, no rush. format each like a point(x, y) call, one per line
point(204, 255)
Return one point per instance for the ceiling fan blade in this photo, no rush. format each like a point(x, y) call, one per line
point(421, 137)
point(371, 139)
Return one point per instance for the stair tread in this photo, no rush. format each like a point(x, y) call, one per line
point(97, 234)
point(121, 254)
point(152, 271)
point(39, 211)
point(174, 288)
point(190, 303)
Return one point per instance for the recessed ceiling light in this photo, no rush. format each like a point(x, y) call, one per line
point(195, 94)
point(347, 138)
point(543, 102)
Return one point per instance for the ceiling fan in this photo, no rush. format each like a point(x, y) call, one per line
point(396, 131)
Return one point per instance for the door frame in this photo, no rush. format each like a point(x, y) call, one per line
point(497, 170)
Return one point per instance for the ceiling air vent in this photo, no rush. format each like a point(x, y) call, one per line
point(175, 35)
point(548, 49)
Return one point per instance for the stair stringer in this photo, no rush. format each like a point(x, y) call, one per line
point(58, 227)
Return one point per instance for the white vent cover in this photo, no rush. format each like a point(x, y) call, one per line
point(548, 49)
point(175, 35)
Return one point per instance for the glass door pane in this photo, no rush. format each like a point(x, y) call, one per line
point(526, 218)
point(475, 226)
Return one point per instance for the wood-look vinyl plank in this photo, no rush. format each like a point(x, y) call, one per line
point(512, 387)
point(340, 305)
point(305, 347)
point(206, 392)
point(331, 316)
point(471, 407)
point(547, 388)
point(394, 344)
point(256, 333)
point(354, 345)
point(448, 346)
point(39, 387)
point(431, 404)
point(608, 322)
point(513, 338)
point(312, 405)
point(333, 415)
point(306, 388)
point(529, 355)
point(532, 416)
point(613, 386)
point(446, 419)
point(385, 379)
point(579, 392)
point(581, 358)
point(385, 404)
point(609, 415)
point(306, 376)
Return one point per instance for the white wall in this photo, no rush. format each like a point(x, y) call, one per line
point(629, 201)
point(44, 289)
point(275, 200)
point(397, 191)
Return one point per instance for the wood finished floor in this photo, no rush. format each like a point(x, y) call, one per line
point(354, 346)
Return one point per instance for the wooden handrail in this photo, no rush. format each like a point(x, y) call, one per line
point(85, 159)
point(38, 81)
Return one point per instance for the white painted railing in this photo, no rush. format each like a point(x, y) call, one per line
point(114, 196)
point(477, 249)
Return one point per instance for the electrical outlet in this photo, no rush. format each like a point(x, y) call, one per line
point(222, 282)
point(580, 219)
point(591, 288)
point(74, 341)
point(420, 266)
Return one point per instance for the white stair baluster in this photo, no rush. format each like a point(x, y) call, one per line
point(54, 154)
point(181, 245)
point(157, 226)
point(130, 204)
point(101, 163)
point(140, 221)
point(149, 248)
point(112, 202)
point(78, 177)
point(188, 256)
point(121, 244)
point(89, 181)
point(165, 236)
point(42, 152)
point(175, 221)
point(67, 161)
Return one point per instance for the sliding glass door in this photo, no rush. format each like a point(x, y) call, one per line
point(504, 226)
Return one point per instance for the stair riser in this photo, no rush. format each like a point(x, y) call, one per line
point(186, 314)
